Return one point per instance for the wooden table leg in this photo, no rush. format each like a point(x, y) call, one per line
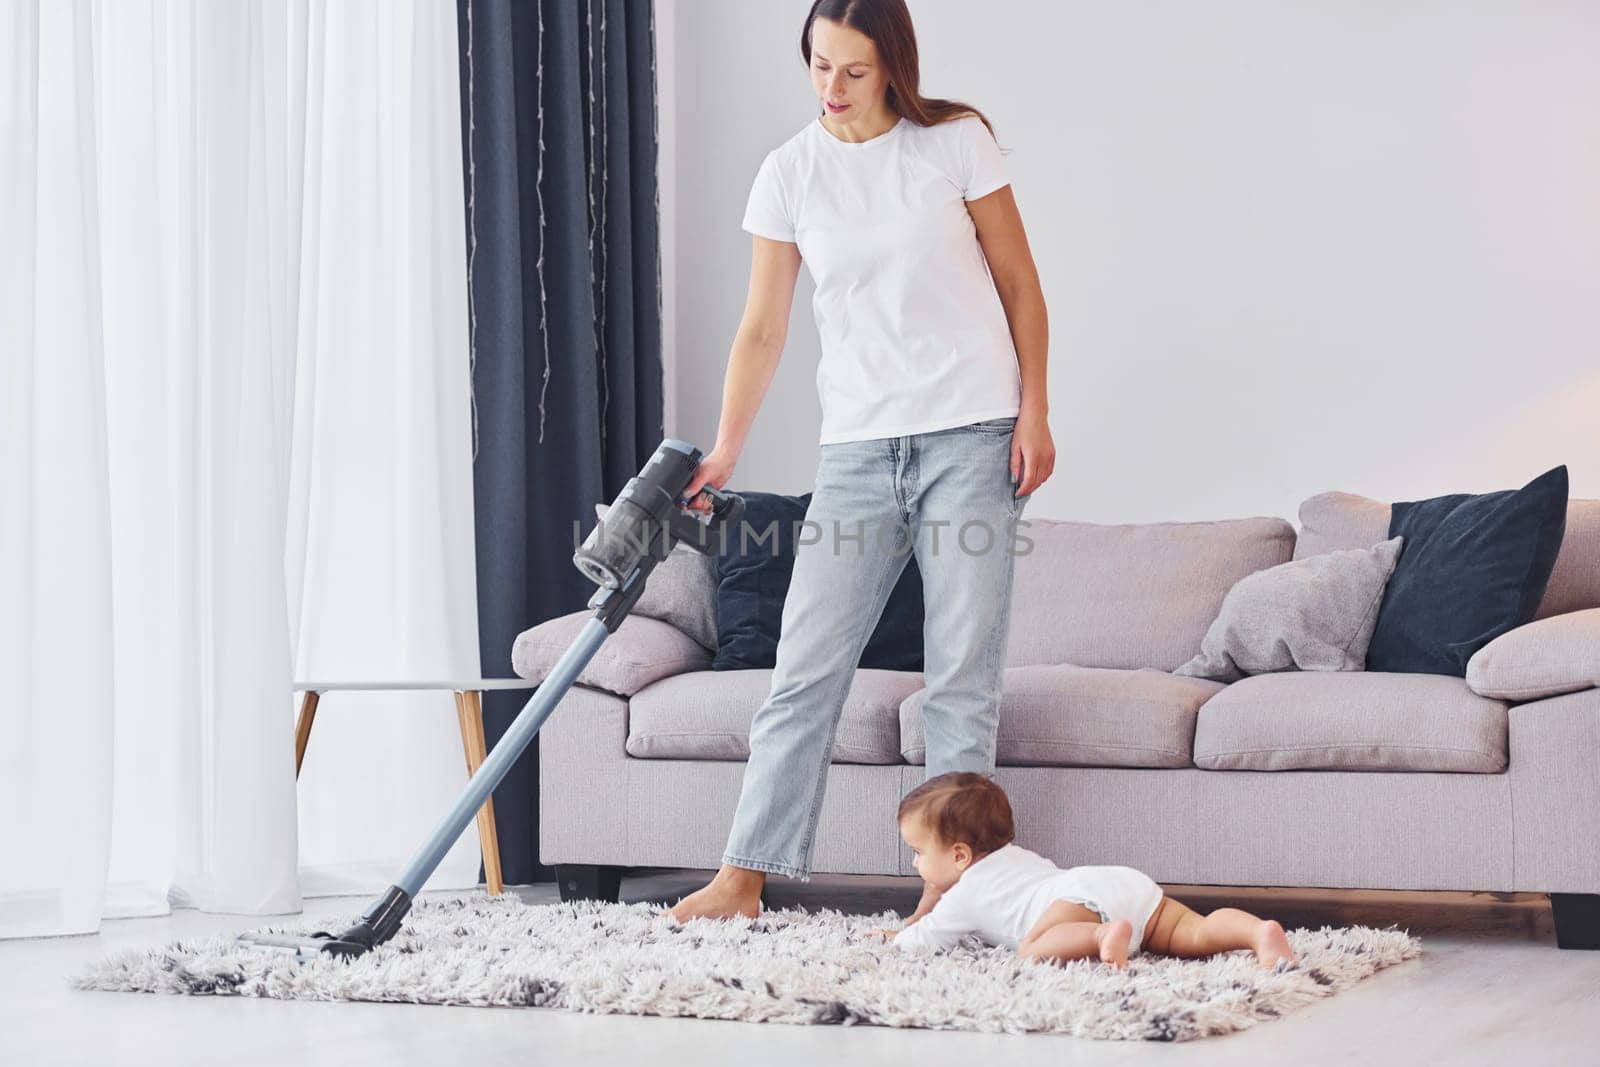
point(469, 712)
point(302, 728)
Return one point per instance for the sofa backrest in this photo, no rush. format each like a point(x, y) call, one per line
point(1333, 521)
point(1131, 595)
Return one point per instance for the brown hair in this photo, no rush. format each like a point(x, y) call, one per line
point(888, 24)
point(962, 807)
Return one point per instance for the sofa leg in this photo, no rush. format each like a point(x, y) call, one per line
point(589, 881)
point(1577, 918)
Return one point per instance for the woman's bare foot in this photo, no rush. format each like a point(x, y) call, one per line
point(1113, 938)
point(1271, 944)
point(734, 892)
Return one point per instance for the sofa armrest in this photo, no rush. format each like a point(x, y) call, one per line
point(1544, 658)
point(642, 651)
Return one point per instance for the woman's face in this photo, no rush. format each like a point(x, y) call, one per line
point(845, 70)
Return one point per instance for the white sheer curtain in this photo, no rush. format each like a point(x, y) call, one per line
point(381, 508)
point(233, 447)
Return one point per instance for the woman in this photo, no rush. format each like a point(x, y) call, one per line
point(932, 382)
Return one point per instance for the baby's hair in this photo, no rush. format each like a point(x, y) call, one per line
point(962, 807)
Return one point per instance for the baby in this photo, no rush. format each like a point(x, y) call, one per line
point(959, 825)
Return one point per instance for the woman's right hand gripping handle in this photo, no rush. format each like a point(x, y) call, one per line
point(714, 470)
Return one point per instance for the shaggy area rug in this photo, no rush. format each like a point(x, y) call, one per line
point(789, 966)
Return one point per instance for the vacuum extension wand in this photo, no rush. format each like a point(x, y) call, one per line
point(643, 525)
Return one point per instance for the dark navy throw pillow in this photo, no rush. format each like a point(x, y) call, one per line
point(753, 575)
point(1471, 568)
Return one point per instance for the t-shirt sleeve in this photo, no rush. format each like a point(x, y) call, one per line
point(939, 930)
point(767, 213)
point(984, 168)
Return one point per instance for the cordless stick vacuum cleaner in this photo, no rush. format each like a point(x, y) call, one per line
point(643, 525)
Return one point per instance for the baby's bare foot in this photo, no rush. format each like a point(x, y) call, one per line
point(1113, 939)
point(1271, 944)
point(721, 899)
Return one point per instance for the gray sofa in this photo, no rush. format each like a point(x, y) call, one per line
point(1310, 779)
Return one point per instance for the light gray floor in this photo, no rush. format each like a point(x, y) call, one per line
point(1491, 987)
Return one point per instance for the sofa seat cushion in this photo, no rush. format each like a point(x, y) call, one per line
point(1061, 715)
point(707, 714)
point(1351, 721)
point(640, 652)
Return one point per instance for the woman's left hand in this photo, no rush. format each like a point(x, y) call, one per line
point(1033, 451)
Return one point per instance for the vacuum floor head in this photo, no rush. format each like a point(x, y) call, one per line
point(303, 948)
point(377, 925)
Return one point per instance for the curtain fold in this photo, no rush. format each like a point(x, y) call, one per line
point(55, 535)
point(383, 580)
point(559, 152)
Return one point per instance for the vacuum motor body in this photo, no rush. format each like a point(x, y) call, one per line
point(648, 520)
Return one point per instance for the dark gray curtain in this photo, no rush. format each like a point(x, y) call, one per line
point(559, 150)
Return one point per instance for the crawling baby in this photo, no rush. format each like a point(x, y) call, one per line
point(960, 827)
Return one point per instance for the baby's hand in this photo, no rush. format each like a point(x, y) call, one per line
point(883, 933)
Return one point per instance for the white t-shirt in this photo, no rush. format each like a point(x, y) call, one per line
point(1002, 896)
point(914, 337)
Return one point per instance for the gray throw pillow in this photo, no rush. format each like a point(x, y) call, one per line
point(1312, 614)
point(682, 591)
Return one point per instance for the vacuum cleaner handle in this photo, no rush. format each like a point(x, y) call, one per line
point(709, 536)
point(726, 508)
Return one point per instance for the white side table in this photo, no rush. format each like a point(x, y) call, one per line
point(469, 714)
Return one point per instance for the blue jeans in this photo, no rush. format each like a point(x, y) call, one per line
point(947, 496)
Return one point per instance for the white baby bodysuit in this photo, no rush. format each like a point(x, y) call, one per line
point(914, 336)
point(1002, 896)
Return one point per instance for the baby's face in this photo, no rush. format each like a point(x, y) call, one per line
point(939, 864)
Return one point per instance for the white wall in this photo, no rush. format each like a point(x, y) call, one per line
point(1285, 248)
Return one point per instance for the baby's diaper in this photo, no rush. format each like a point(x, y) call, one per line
point(1114, 892)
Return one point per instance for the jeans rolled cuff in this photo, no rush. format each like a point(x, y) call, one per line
point(768, 867)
